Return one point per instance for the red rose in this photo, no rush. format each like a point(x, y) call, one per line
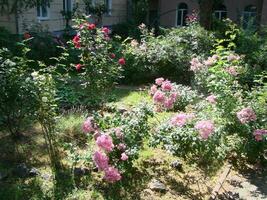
point(91, 26)
point(78, 67)
point(27, 36)
point(122, 61)
point(112, 55)
point(76, 41)
point(105, 30)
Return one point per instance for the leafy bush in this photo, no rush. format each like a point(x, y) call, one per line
point(166, 55)
point(18, 103)
point(231, 120)
point(96, 69)
point(118, 138)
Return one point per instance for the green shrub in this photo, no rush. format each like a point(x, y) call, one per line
point(18, 103)
point(167, 55)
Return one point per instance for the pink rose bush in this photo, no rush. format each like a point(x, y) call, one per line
point(115, 148)
point(205, 128)
point(164, 94)
point(246, 115)
point(259, 133)
point(181, 119)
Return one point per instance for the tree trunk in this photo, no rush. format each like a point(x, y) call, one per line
point(206, 9)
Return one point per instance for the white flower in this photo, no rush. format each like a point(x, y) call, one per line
point(44, 99)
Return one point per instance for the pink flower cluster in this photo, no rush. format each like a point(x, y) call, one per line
point(233, 57)
point(106, 145)
point(89, 125)
point(197, 65)
point(258, 134)
point(205, 128)
point(212, 99)
point(77, 41)
point(246, 115)
point(181, 119)
point(232, 70)
point(164, 94)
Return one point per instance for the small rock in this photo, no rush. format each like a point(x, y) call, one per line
point(122, 110)
point(22, 171)
point(157, 186)
point(33, 172)
point(78, 171)
point(177, 165)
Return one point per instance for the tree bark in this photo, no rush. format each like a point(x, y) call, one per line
point(206, 9)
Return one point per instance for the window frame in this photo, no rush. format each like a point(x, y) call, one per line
point(41, 17)
point(250, 15)
point(108, 4)
point(66, 5)
point(184, 12)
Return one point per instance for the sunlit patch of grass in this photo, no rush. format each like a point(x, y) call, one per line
point(129, 96)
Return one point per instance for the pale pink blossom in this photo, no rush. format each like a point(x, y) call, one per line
point(159, 97)
point(166, 85)
point(196, 65)
point(105, 142)
point(232, 70)
point(179, 119)
point(121, 146)
point(112, 175)
point(118, 133)
point(153, 89)
point(174, 95)
point(246, 115)
point(215, 57)
point(259, 133)
point(89, 126)
point(168, 103)
point(124, 156)
point(212, 99)
point(159, 81)
point(101, 160)
point(205, 128)
point(210, 61)
point(233, 57)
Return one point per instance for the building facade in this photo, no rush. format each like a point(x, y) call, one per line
point(50, 16)
point(172, 13)
point(167, 13)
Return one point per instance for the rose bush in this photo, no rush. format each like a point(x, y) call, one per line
point(117, 139)
point(166, 55)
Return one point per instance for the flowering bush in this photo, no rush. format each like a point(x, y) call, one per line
point(166, 55)
point(118, 139)
point(98, 64)
point(196, 135)
point(167, 95)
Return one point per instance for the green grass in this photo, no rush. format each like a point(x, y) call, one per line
point(128, 96)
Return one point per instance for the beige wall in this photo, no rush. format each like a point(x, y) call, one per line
point(169, 19)
point(234, 8)
point(55, 22)
point(8, 21)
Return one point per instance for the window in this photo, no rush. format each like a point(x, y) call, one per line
point(42, 10)
point(67, 5)
point(249, 16)
point(108, 4)
point(220, 12)
point(182, 11)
